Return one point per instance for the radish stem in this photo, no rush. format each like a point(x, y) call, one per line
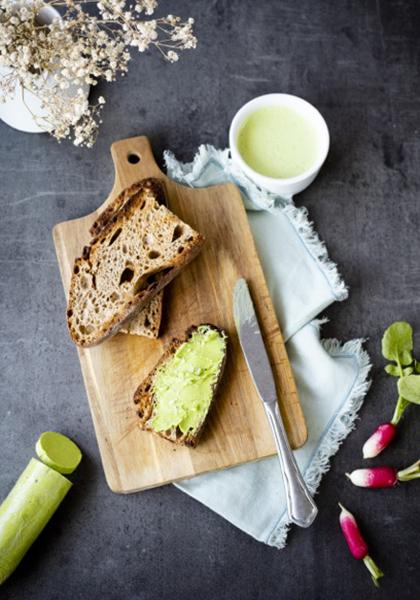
point(373, 568)
point(411, 472)
point(399, 410)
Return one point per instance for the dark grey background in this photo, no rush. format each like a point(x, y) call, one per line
point(358, 62)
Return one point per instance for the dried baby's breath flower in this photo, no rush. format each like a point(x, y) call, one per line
point(55, 60)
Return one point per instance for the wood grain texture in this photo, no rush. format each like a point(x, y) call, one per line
point(237, 431)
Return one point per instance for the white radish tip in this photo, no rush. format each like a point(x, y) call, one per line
point(369, 454)
point(370, 449)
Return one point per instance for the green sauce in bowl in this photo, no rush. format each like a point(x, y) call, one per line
point(278, 142)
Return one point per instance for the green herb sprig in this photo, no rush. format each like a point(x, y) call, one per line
point(397, 346)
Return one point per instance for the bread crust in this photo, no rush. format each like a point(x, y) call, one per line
point(112, 209)
point(136, 299)
point(144, 400)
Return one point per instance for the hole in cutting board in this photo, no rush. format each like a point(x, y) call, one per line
point(133, 159)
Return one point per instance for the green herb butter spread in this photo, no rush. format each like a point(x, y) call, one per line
point(183, 386)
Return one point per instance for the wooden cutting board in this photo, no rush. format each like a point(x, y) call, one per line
point(237, 431)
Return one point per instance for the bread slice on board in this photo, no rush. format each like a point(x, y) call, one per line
point(138, 251)
point(147, 322)
point(145, 399)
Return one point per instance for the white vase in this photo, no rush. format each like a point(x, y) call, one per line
point(22, 110)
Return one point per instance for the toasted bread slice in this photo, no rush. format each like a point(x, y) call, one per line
point(138, 251)
point(147, 322)
point(146, 401)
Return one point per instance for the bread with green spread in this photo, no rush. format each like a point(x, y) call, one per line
point(176, 397)
point(139, 250)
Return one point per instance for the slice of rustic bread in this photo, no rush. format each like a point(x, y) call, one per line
point(145, 400)
point(138, 251)
point(147, 322)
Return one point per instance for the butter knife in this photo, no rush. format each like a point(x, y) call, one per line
point(300, 506)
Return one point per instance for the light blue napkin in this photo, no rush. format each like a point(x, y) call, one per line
point(331, 377)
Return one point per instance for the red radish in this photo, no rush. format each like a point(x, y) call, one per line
point(357, 544)
point(375, 477)
point(379, 440)
point(383, 477)
point(354, 539)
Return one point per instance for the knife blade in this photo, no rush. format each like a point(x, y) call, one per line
point(300, 505)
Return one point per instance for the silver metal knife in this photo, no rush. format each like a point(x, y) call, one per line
point(300, 506)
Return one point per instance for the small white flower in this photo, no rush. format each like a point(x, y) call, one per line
point(77, 49)
point(172, 56)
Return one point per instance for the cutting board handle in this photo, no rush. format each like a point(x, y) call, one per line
point(133, 160)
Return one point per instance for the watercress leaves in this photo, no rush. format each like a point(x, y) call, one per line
point(409, 388)
point(397, 346)
point(397, 343)
point(397, 372)
point(393, 370)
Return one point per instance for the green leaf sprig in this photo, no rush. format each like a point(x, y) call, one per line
point(397, 346)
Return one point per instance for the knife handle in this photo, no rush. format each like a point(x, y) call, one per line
point(300, 505)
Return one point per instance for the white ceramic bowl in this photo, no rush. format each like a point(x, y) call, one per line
point(292, 185)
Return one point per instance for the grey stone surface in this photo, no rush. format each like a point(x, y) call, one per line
point(358, 62)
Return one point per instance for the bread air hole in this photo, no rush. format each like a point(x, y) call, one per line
point(152, 278)
point(177, 233)
point(126, 275)
point(115, 236)
point(85, 329)
point(154, 254)
point(149, 280)
point(140, 284)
